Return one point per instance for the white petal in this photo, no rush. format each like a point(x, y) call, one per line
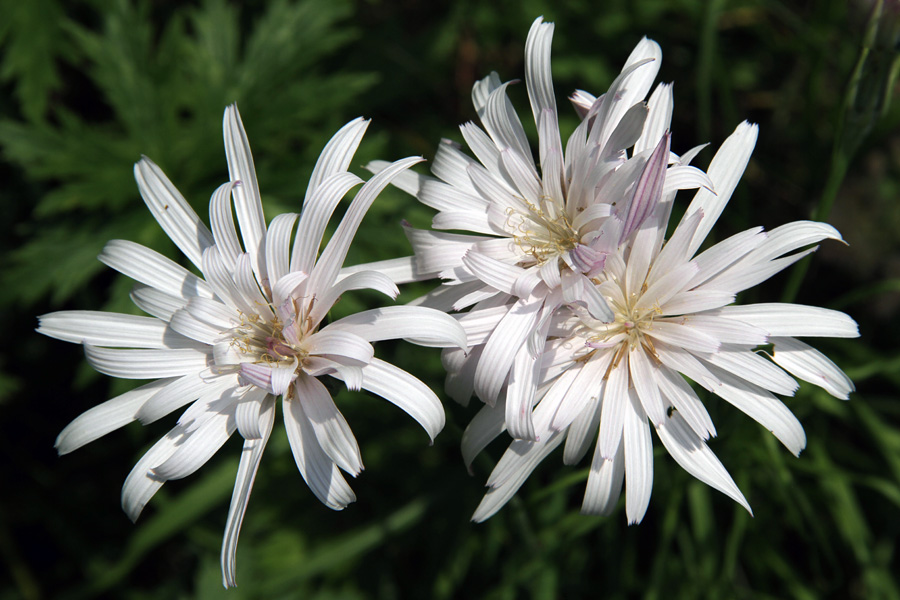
point(330, 427)
point(498, 275)
point(604, 484)
point(794, 235)
point(765, 409)
point(682, 335)
point(399, 270)
point(503, 124)
point(320, 473)
point(171, 210)
point(683, 398)
point(220, 279)
point(249, 412)
point(696, 458)
point(156, 303)
point(317, 211)
point(185, 390)
point(725, 171)
point(717, 258)
point(363, 280)
point(104, 418)
point(810, 365)
point(683, 177)
point(613, 409)
point(277, 245)
point(247, 202)
point(585, 389)
point(538, 76)
point(419, 325)
point(407, 392)
point(638, 460)
point(643, 378)
point(501, 348)
point(109, 329)
point(464, 220)
point(189, 326)
point(141, 484)
point(794, 320)
point(659, 118)
point(485, 426)
point(525, 457)
point(222, 222)
point(243, 484)
point(332, 258)
point(437, 250)
point(695, 301)
point(198, 446)
point(151, 268)
point(336, 156)
point(583, 431)
point(146, 364)
point(754, 368)
point(520, 394)
point(336, 343)
point(727, 331)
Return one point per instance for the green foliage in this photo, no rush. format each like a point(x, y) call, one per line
point(93, 85)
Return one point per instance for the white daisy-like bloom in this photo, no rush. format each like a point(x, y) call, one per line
point(674, 324)
point(540, 233)
point(251, 329)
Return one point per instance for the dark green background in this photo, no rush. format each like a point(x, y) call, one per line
point(88, 86)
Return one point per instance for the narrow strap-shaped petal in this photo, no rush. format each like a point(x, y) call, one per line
point(604, 484)
point(520, 393)
point(525, 462)
point(337, 154)
point(156, 303)
point(317, 211)
point(326, 269)
point(363, 280)
point(222, 282)
point(585, 387)
point(659, 117)
point(502, 123)
point(752, 367)
point(498, 275)
point(249, 413)
point(719, 257)
point(198, 446)
point(320, 473)
point(487, 424)
point(405, 391)
point(146, 364)
point(184, 390)
point(638, 460)
point(417, 324)
point(330, 427)
point(278, 241)
point(401, 270)
point(684, 399)
point(336, 343)
point(695, 457)
point(247, 202)
point(808, 364)
point(615, 405)
point(171, 210)
point(106, 417)
point(648, 189)
point(192, 328)
point(100, 328)
point(794, 320)
point(538, 75)
point(152, 268)
point(222, 222)
point(725, 171)
point(643, 379)
point(243, 485)
point(683, 335)
point(583, 430)
point(141, 484)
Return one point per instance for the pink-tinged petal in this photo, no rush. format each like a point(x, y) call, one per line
point(337, 155)
point(808, 364)
point(405, 391)
point(794, 320)
point(604, 484)
point(419, 325)
point(146, 364)
point(317, 211)
point(638, 460)
point(152, 268)
point(648, 189)
point(320, 473)
point(330, 427)
point(106, 417)
point(171, 211)
point(695, 457)
point(273, 379)
point(522, 459)
point(243, 485)
point(247, 201)
point(725, 171)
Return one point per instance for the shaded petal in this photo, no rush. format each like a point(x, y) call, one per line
point(330, 427)
point(152, 268)
point(146, 364)
point(808, 364)
point(405, 391)
point(417, 324)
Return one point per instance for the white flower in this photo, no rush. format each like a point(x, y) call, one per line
point(674, 322)
point(541, 233)
point(249, 330)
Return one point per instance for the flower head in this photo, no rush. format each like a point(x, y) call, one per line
point(541, 233)
point(250, 330)
point(674, 322)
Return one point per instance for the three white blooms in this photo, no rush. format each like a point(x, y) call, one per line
point(573, 318)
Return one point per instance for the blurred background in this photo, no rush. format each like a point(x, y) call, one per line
point(88, 86)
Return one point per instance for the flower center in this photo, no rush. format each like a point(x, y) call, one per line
point(544, 232)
